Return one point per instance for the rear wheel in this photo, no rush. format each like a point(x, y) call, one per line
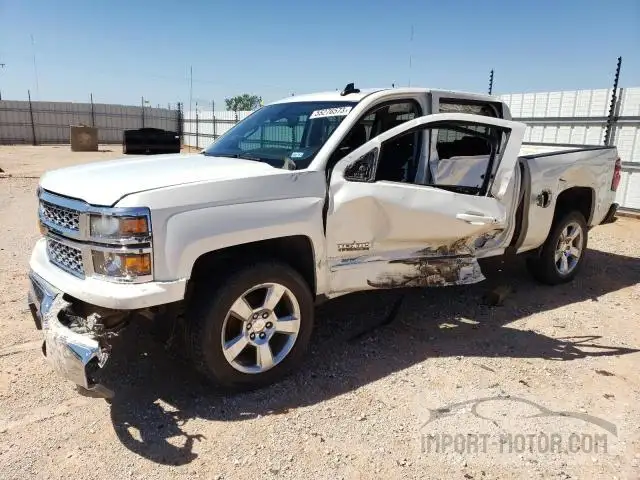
point(561, 256)
point(252, 330)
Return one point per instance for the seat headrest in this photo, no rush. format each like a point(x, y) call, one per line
point(358, 136)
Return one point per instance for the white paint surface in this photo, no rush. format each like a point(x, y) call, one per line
point(202, 204)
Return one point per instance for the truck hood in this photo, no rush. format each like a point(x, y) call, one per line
point(104, 183)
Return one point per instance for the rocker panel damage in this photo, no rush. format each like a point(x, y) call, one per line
point(433, 266)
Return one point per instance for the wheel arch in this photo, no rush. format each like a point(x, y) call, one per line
point(297, 251)
point(580, 199)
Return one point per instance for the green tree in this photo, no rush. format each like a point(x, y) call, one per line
point(243, 102)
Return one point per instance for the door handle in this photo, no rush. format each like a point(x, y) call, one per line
point(475, 219)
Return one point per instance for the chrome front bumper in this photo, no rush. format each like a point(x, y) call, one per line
point(73, 356)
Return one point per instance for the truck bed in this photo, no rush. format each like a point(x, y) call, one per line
point(581, 173)
point(538, 148)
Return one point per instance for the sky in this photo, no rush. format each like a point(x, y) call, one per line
point(120, 51)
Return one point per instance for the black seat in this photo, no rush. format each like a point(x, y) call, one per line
point(354, 139)
point(357, 137)
point(396, 161)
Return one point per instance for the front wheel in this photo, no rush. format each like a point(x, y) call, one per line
point(562, 255)
point(252, 330)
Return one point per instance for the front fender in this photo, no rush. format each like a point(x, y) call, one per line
point(193, 233)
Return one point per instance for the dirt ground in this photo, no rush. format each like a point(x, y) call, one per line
point(544, 386)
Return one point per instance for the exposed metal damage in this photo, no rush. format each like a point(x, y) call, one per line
point(429, 271)
point(444, 265)
point(453, 263)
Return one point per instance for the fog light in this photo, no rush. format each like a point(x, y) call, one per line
point(121, 265)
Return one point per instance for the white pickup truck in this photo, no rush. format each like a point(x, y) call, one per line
point(307, 199)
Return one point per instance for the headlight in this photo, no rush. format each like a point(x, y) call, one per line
point(126, 266)
point(118, 231)
point(111, 227)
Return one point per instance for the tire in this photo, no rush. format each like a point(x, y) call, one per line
point(210, 316)
point(543, 266)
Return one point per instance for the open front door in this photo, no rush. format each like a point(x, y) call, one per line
point(384, 230)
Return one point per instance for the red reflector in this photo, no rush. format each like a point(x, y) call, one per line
point(615, 181)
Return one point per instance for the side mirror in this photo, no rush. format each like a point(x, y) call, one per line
point(363, 169)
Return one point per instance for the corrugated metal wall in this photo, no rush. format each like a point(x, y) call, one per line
point(51, 120)
point(580, 117)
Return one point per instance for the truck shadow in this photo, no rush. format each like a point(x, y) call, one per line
point(157, 393)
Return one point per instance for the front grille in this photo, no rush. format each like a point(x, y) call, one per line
point(66, 257)
point(60, 216)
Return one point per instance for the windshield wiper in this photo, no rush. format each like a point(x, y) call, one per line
point(244, 156)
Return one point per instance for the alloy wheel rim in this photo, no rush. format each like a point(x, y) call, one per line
point(569, 248)
point(260, 328)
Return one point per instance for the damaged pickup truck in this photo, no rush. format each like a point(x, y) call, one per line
point(307, 199)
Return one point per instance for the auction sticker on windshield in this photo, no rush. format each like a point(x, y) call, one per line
point(331, 112)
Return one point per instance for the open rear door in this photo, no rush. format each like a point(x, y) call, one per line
point(385, 231)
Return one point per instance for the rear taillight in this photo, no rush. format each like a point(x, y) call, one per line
point(617, 173)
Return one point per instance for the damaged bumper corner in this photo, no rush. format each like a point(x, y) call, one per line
point(610, 217)
point(73, 355)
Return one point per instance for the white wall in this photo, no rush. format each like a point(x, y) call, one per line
point(218, 122)
point(579, 117)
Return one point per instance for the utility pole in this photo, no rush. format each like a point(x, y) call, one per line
point(190, 89)
point(410, 53)
point(2, 65)
point(35, 66)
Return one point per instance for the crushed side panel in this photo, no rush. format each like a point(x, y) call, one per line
point(432, 266)
point(444, 265)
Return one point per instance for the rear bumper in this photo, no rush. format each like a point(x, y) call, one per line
point(610, 217)
point(72, 355)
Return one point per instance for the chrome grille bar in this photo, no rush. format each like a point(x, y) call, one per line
point(66, 257)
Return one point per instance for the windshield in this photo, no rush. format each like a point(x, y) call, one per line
point(284, 135)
